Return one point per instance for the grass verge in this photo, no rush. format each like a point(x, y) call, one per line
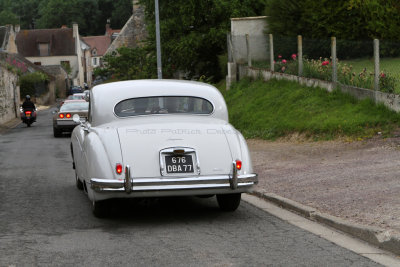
point(274, 109)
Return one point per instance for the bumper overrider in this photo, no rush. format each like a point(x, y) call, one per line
point(128, 184)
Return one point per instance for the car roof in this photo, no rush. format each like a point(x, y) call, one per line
point(104, 97)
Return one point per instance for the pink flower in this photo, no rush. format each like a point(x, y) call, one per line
point(324, 63)
point(294, 56)
point(284, 61)
point(274, 61)
point(383, 75)
point(279, 56)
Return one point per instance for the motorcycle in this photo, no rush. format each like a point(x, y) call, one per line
point(28, 116)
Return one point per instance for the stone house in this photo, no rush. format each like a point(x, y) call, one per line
point(7, 38)
point(61, 46)
point(134, 31)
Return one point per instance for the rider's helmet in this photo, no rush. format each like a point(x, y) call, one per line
point(28, 97)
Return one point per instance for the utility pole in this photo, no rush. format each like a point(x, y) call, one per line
point(158, 43)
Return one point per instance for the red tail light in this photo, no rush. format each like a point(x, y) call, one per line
point(238, 165)
point(118, 168)
point(28, 112)
point(61, 115)
point(68, 115)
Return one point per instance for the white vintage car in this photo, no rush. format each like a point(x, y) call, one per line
point(155, 138)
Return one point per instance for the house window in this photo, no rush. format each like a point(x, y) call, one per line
point(44, 49)
point(95, 61)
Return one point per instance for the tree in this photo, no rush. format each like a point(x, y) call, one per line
point(121, 12)
point(193, 33)
point(55, 13)
point(344, 19)
point(129, 63)
point(8, 17)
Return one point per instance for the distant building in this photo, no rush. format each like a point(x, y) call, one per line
point(98, 47)
point(111, 32)
point(54, 47)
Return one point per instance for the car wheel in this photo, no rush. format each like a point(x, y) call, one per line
point(229, 202)
point(56, 132)
point(99, 208)
point(79, 183)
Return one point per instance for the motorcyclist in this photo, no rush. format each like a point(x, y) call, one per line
point(28, 104)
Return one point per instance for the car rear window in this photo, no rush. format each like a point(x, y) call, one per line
point(163, 105)
point(77, 106)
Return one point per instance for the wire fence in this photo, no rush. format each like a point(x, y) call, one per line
point(370, 64)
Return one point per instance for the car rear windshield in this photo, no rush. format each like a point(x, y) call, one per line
point(163, 105)
point(77, 106)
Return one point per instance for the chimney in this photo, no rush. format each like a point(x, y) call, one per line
point(17, 28)
point(75, 30)
point(135, 5)
point(108, 28)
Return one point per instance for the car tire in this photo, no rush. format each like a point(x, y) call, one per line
point(79, 183)
point(56, 132)
point(99, 208)
point(229, 202)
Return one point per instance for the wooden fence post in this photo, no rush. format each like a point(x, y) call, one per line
point(334, 63)
point(248, 50)
point(300, 54)
point(271, 51)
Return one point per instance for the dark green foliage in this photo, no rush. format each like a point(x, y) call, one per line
point(8, 17)
point(91, 15)
point(193, 33)
point(32, 83)
point(347, 20)
point(128, 64)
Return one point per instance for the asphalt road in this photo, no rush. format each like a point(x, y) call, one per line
point(46, 221)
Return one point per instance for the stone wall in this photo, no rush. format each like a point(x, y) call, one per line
point(255, 28)
point(9, 95)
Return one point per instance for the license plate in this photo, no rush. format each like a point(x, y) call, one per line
point(28, 115)
point(179, 164)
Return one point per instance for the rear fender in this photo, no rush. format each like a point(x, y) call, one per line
point(239, 149)
point(101, 157)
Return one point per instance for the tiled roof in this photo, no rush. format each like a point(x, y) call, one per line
point(16, 60)
point(100, 43)
point(61, 41)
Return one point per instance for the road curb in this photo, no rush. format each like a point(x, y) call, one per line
point(373, 235)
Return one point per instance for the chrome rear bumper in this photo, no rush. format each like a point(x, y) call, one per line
point(129, 184)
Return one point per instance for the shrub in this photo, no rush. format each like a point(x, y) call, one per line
point(30, 82)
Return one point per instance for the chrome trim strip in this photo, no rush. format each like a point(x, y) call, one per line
point(171, 183)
